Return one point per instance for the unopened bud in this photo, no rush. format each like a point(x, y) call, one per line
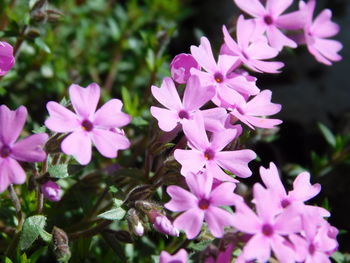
point(52, 191)
point(139, 230)
point(61, 247)
point(163, 225)
point(33, 33)
point(181, 66)
point(135, 224)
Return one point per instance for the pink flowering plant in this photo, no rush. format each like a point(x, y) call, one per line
point(174, 166)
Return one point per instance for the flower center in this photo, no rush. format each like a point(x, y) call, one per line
point(87, 125)
point(285, 203)
point(209, 154)
point(312, 249)
point(203, 204)
point(268, 20)
point(5, 151)
point(267, 230)
point(183, 114)
point(218, 77)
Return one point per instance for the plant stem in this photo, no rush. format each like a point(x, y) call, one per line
point(92, 231)
point(17, 205)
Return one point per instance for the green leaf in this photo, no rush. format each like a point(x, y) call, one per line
point(338, 257)
point(58, 171)
point(150, 59)
point(7, 260)
point(328, 135)
point(47, 237)
point(113, 214)
point(200, 246)
point(117, 202)
point(32, 228)
point(37, 254)
point(42, 45)
point(39, 129)
point(139, 121)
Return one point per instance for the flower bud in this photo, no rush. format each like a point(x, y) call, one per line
point(135, 224)
point(51, 191)
point(139, 229)
point(7, 59)
point(61, 247)
point(162, 224)
point(181, 66)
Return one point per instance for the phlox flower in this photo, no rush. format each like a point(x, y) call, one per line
point(201, 203)
point(7, 60)
point(210, 154)
point(317, 32)
point(26, 150)
point(251, 47)
point(316, 244)
point(87, 125)
point(267, 227)
point(176, 112)
point(52, 191)
point(218, 74)
point(269, 19)
point(180, 67)
point(250, 112)
point(179, 257)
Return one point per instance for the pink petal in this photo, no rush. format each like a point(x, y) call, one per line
point(167, 119)
point(245, 31)
point(214, 170)
point(261, 50)
point(328, 48)
point(195, 132)
point(261, 105)
point(214, 119)
point(61, 119)
point(272, 180)
point(242, 118)
point(277, 7)
point(200, 184)
point(217, 219)
point(291, 21)
point(228, 96)
point(267, 66)
point(108, 143)
point(111, 116)
point(266, 206)
point(10, 173)
point(191, 160)
point(236, 161)
point(179, 257)
point(230, 43)
point(228, 63)
point(245, 219)
point(181, 199)
point(190, 221)
point(289, 221)
point(258, 247)
point(252, 7)
point(204, 55)
point(205, 78)
point(278, 40)
point(243, 85)
point(11, 124)
point(262, 122)
point(78, 144)
point(219, 140)
point(167, 94)
point(323, 27)
point(30, 149)
point(223, 195)
point(282, 250)
point(196, 95)
point(84, 100)
point(4, 174)
point(302, 189)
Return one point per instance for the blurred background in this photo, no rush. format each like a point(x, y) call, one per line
point(126, 46)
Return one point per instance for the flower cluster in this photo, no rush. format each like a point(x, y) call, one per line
point(219, 96)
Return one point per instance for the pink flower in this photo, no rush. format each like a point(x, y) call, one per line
point(86, 125)
point(316, 33)
point(162, 224)
point(269, 19)
point(202, 203)
point(52, 191)
point(249, 112)
point(180, 67)
point(252, 49)
point(217, 74)
point(179, 257)
point(195, 96)
point(26, 150)
point(210, 154)
point(268, 227)
point(7, 59)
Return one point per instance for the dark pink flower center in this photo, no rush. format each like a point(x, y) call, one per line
point(209, 154)
point(203, 204)
point(268, 20)
point(87, 125)
point(5, 151)
point(285, 203)
point(312, 249)
point(183, 114)
point(267, 230)
point(218, 77)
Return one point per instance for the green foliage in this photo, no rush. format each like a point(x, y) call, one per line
point(32, 228)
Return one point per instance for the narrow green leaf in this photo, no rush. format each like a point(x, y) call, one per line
point(42, 45)
point(113, 214)
point(327, 133)
point(58, 171)
point(37, 254)
point(31, 230)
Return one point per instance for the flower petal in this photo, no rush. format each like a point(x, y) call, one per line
point(323, 27)
point(219, 140)
point(84, 100)
point(261, 105)
point(278, 40)
point(181, 199)
point(78, 144)
point(223, 195)
point(277, 7)
point(167, 119)
point(245, 219)
point(167, 94)
point(11, 123)
point(252, 7)
point(61, 119)
point(217, 219)
point(200, 184)
point(111, 116)
point(190, 221)
point(191, 160)
point(302, 188)
point(258, 247)
point(11, 173)
point(195, 132)
point(30, 149)
point(204, 55)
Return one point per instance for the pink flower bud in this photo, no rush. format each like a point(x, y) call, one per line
point(51, 191)
point(7, 59)
point(139, 229)
point(181, 66)
point(162, 224)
